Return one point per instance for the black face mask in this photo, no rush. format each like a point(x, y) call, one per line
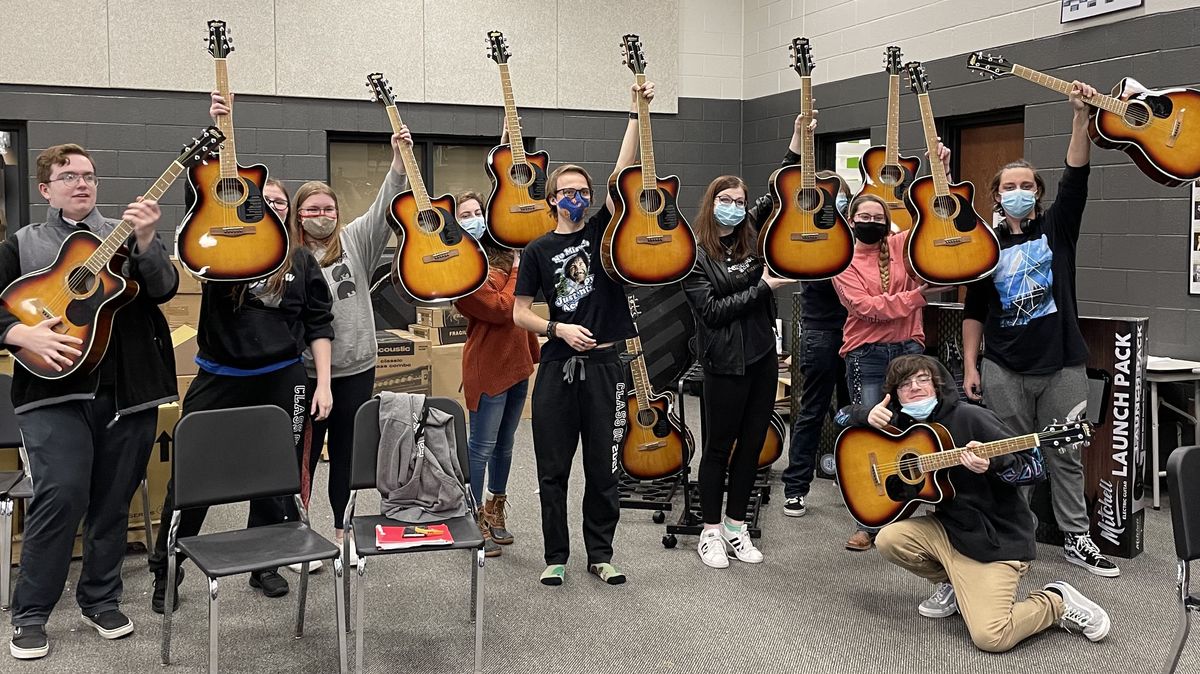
point(869, 232)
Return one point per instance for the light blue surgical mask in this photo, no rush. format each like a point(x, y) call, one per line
point(842, 202)
point(1017, 203)
point(920, 409)
point(729, 215)
point(474, 226)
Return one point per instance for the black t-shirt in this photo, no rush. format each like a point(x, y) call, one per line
point(1027, 307)
point(567, 269)
point(820, 308)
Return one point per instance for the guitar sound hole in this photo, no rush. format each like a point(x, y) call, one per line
point(891, 175)
point(81, 281)
point(651, 201)
point(230, 190)
point(428, 221)
point(945, 207)
point(521, 174)
point(1137, 114)
point(909, 469)
point(809, 199)
point(646, 418)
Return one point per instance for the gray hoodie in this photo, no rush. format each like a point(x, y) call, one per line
point(349, 279)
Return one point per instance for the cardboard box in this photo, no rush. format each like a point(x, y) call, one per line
point(182, 310)
point(158, 470)
point(188, 284)
point(441, 317)
point(447, 372)
point(404, 363)
point(6, 363)
point(183, 340)
point(182, 383)
point(541, 309)
point(439, 336)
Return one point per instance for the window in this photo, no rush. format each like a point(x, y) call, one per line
point(843, 153)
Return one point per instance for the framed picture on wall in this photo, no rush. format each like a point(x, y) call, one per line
point(1073, 10)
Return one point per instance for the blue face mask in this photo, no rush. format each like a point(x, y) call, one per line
point(842, 202)
point(729, 215)
point(1017, 203)
point(474, 226)
point(920, 409)
point(575, 207)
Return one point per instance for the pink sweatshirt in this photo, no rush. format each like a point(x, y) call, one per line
point(876, 318)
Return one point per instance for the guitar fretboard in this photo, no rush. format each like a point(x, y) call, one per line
point(410, 164)
point(641, 377)
point(952, 457)
point(941, 184)
point(647, 141)
point(1113, 105)
point(892, 148)
point(100, 257)
point(808, 155)
point(515, 141)
point(225, 123)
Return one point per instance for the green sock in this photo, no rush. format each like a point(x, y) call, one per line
point(731, 526)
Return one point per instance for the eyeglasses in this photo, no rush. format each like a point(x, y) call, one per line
point(277, 203)
point(69, 179)
point(725, 201)
point(918, 381)
point(570, 192)
point(309, 211)
point(867, 219)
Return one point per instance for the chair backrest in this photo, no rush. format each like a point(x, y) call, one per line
point(237, 454)
point(10, 433)
point(1183, 476)
point(366, 440)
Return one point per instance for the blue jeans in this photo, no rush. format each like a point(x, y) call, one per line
point(490, 443)
point(822, 373)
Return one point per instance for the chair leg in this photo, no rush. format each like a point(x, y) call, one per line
point(359, 625)
point(345, 561)
point(213, 623)
point(6, 515)
point(474, 585)
point(1181, 635)
point(338, 577)
point(149, 526)
point(477, 600)
point(168, 608)
point(303, 599)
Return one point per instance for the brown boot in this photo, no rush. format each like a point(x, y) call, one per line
point(493, 512)
point(490, 549)
point(861, 540)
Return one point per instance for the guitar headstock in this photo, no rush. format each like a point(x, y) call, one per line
point(219, 42)
point(988, 65)
point(893, 61)
point(635, 309)
point(498, 47)
point(802, 60)
point(202, 148)
point(1063, 436)
point(631, 49)
point(918, 81)
point(381, 90)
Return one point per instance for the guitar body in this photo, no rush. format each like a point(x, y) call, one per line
point(806, 238)
point(230, 234)
point(889, 182)
point(1159, 131)
point(647, 242)
point(436, 261)
point(86, 305)
point(772, 447)
point(949, 243)
point(862, 454)
point(656, 443)
point(517, 212)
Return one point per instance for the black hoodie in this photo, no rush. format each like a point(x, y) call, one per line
point(988, 519)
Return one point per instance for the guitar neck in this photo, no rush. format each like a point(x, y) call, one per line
point(892, 147)
point(410, 164)
point(1102, 101)
point(952, 457)
point(941, 184)
point(515, 141)
point(103, 254)
point(641, 377)
point(808, 155)
point(225, 123)
point(646, 140)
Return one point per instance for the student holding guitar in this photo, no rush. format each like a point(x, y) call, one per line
point(88, 435)
point(976, 546)
point(1026, 317)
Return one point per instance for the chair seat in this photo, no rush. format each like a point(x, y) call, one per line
point(8, 480)
point(23, 489)
point(229, 553)
point(464, 530)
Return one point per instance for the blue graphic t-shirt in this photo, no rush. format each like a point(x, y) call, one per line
point(1024, 280)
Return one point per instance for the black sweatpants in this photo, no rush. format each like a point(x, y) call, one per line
point(736, 408)
point(349, 393)
point(580, 398)
point(82, 469)
point(283, 388)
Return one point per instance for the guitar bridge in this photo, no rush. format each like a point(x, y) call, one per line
point(1176, 128)
point(874, 461)
point(651, 446)
point(527, 208)
point(440, 256)
point(654, 239)
point(810, 236)
point(953, 240)
point(239, 230)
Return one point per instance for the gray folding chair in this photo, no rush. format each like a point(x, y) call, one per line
point(465, 529)
point(233, 455)
point(1183, 478)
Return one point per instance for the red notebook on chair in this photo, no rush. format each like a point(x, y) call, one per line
point(411, 536)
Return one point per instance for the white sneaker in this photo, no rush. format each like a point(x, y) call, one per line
point(941, 604)
point(1080, 614)
point(742, 546)
point(712, 549)
point(313, 567)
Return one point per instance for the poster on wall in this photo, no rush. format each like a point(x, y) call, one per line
point(1073, 10)
point(1194, 243)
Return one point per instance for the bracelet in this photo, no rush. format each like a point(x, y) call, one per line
point(551, 329)
point(633, 115)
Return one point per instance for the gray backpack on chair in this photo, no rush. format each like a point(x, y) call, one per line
point(417, 473)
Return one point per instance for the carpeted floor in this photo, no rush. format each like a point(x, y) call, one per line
point(810, 607)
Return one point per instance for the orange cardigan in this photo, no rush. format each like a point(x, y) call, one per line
point(498, 354)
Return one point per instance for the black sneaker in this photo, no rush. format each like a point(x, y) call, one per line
point(110, 624)
point(159, 597)
point(794, 507)
point(29, 642)
point(1081, 550)
point(271, 583)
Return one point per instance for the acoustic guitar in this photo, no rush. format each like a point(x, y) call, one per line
point(885, 475)
point(229, 233)
point(949, 243)
point(436, 261)
point(806, 238)
point(656, 444)
point(84, 286)
point(517, 212)
point(885, 172)
point(647, 242)
point(772, 447)
point(1157, 128)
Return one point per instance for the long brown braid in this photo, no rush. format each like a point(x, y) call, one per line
point(885, 250)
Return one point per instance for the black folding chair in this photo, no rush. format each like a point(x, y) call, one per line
point(465, 529)
point(232, 455)
point(1183, 474)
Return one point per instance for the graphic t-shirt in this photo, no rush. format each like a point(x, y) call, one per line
point(566, 268)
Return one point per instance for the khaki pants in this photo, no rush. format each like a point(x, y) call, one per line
point(985, 591)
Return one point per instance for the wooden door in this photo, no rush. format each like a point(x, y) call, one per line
point(981, 151)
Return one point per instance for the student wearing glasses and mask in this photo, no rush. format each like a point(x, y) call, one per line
point(579, 393)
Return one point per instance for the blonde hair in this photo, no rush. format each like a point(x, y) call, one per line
point(333, 250)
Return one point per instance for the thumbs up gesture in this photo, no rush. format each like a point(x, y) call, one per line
point(880, 415)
